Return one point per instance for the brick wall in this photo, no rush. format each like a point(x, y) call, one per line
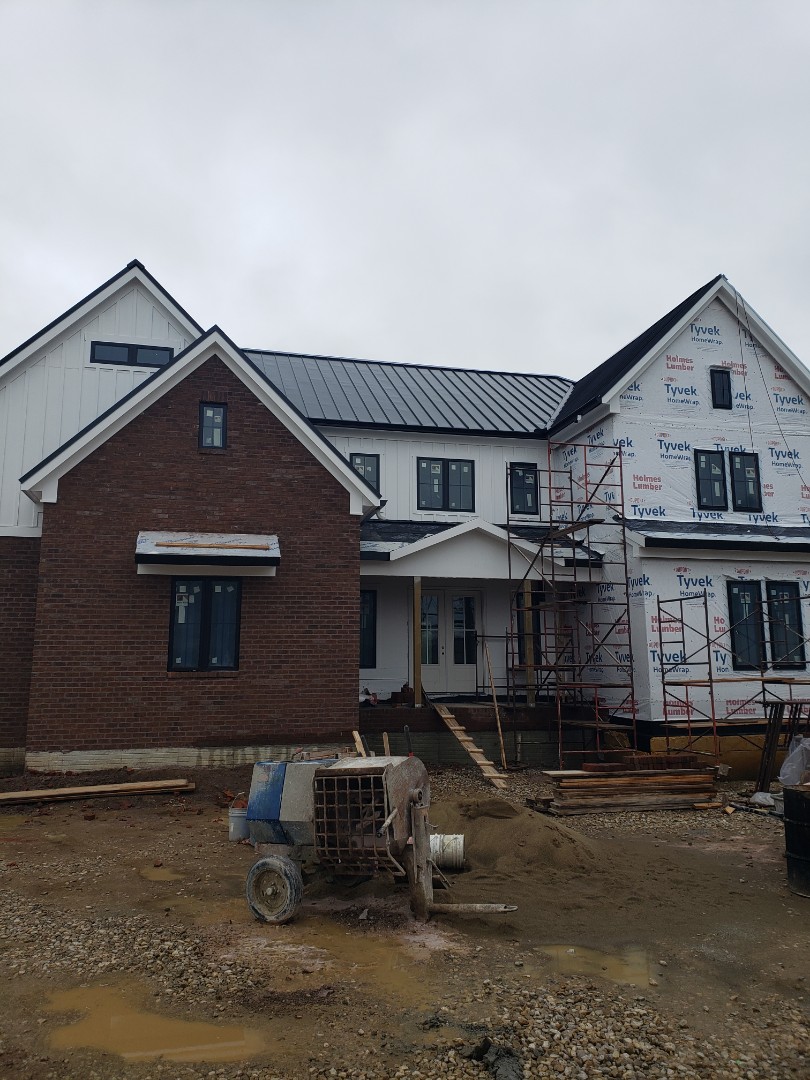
point(99, 671)
point(19, 563)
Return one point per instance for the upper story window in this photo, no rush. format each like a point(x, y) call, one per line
point(710, 473)
point(523, 488)
point(746, 625)
point(213, 426)
point(205, 624)
point(746, 493)
point(711, 483)
point(721, 388)
point(109, 352)
point(368, 465)
point(445, 484)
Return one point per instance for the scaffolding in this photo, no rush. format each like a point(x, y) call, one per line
point(695, 641)
point(569, 641)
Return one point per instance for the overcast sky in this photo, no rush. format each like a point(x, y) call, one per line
point(502, 184)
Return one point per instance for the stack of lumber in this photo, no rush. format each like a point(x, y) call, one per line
point(579, 792)
point(97, 791)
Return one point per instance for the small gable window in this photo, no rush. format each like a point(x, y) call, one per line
point(108, 352)
point(721, 388)
point(213, 426)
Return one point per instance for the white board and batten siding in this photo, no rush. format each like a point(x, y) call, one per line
point(399, 451)
point(57, 391)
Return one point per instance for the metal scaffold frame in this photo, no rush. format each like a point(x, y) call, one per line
point(568, 641)
point(683, 718)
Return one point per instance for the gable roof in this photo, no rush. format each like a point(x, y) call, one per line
point(133, 271)
point(591, 389)
point(41, 482)
point(418, 397)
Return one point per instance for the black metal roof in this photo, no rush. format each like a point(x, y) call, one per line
point(591, 388)
point(368, 393)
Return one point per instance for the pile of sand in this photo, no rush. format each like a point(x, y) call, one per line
point(512, 840)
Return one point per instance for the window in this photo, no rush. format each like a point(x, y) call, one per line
point(746, 625)
point(710, 473)
point(785, 624)
point(213, 426)
point(465, 637)
point(108, 352)
point(430, 628)
point(368, 628)
point(523, 488)
point(205, 624)
point(721, 388)
point(444, 484)
point(745, 490)
point(368, 465)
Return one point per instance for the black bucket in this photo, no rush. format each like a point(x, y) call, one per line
point(797, 839)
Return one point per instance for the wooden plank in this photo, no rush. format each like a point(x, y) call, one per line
point(143, 787)
point(358, 744)
point(478, 756)
point(386, 744)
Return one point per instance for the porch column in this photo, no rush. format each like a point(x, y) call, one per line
point(416, 648)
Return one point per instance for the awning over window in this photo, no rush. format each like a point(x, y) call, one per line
point(239, 554)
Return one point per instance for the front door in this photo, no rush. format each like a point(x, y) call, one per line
point(451, 622)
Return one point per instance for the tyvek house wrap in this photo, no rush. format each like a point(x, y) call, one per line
point(665, 415)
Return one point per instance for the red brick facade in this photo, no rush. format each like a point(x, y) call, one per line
point(19, 564)
point(99, 677)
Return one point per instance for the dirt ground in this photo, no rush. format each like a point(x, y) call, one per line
point(660, 944)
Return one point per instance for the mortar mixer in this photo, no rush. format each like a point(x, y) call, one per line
point(354, 816)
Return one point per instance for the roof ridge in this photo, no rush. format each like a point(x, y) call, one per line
point(404, 363)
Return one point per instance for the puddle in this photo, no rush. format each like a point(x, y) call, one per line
point(160, 873)
point(628, 966)
point(113, 1025)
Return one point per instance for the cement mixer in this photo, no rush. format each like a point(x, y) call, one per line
point(356, 816)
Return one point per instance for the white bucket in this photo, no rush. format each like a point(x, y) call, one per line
point(237, 823)
point(447, 850)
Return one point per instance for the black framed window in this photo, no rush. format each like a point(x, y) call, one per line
point(465, 636)
point(368, 628)
point(746, 493)
point(213, 426)
point(746, 625)
point(710, 477)
point(721, 388)
point(368, 465)
point(205, 624)
point(523, 488)
point(111, 352)
point(785, 624)
point(445, 484)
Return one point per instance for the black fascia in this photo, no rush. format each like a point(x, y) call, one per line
point(725, 545)
point(483, 433)
point(375, 556)
point(135, 264)
point(587, 394)
point(208, 560)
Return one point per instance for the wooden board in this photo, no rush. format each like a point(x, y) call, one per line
point(91, 791)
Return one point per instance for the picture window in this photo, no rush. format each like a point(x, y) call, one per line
point(205, 624)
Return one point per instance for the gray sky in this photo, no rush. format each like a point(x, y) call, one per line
point(501, 184)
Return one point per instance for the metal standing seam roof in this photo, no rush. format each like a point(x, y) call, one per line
point(370, 393)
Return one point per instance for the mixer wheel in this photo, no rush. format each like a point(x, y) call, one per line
point(274, 889)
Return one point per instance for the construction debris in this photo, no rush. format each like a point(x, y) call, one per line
point(142, 787)
point(576, 791)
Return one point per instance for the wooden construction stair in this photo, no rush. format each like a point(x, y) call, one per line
point(580, 792)
point(486, 766)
